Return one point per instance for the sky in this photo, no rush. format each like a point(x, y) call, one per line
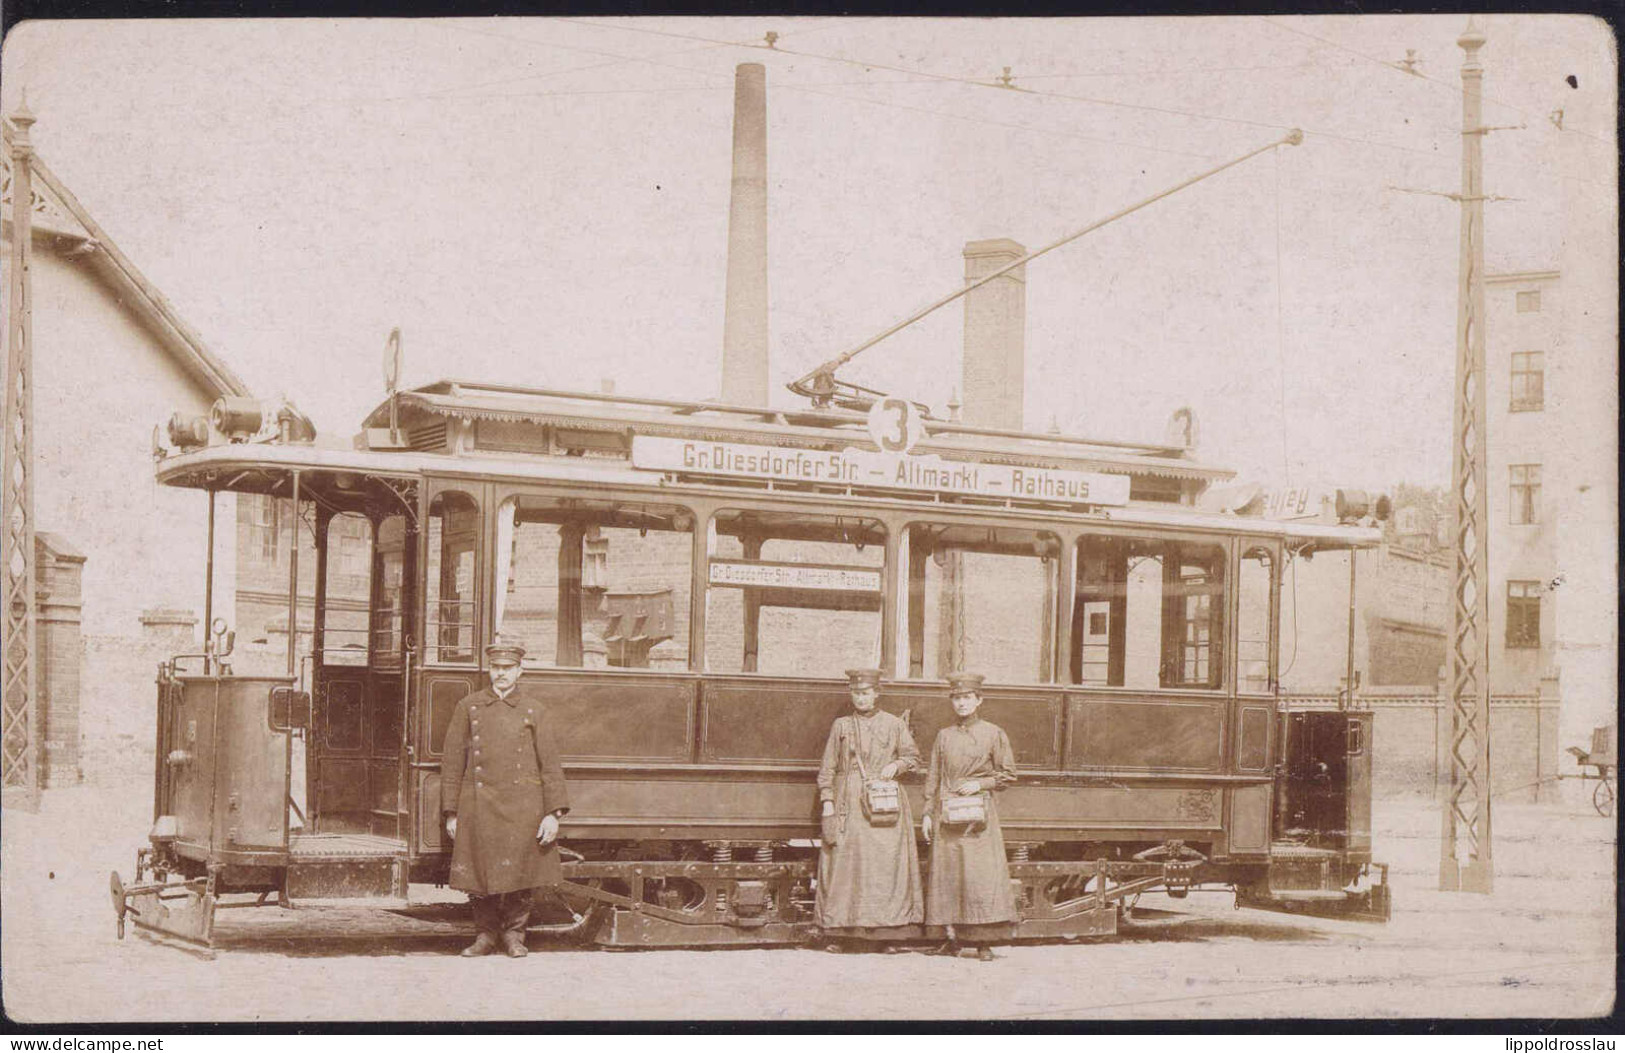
point(544, 201)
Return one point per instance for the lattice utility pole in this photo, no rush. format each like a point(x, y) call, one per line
point(1464, 849)
point(19, 709)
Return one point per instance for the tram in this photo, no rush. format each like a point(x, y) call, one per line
point(691, 579)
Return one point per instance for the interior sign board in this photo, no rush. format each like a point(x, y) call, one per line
point(923, 473)
point(794, 576)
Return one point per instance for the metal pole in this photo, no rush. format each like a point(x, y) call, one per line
point(208, 598)
point(19, 699)
point(293, 581)
point(1465, 862)
point(1347, 701)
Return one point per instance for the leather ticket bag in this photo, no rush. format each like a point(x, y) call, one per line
point(969, 810)
point(882, 798)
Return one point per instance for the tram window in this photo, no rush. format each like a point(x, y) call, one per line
point(793, 594)
point(978, 598)
point(1148, 612)
point(449, 597)
point(388, 602)
point(594, 583)
point(349, 574)
point(1254, 620)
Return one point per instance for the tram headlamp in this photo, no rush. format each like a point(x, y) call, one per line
point(237, 418)
point(187, 431)
point(1352, 505)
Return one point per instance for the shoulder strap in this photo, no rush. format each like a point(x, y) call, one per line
point(535, 737)
point(855, 744)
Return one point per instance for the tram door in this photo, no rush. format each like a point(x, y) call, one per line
point(357, 740)
point(1327, 798)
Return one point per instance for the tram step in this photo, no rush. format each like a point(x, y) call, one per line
point(1293, 850)
point(380, 877)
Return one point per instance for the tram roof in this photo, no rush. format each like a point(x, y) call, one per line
point(788, 427)
point(265, 468)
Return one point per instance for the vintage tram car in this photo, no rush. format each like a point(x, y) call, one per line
point(691, 579)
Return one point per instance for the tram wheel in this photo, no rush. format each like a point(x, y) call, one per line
point(1602, 799)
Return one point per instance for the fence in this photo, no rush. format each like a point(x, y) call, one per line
point(1411, 740)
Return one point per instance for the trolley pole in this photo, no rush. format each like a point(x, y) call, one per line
point(1464, 850)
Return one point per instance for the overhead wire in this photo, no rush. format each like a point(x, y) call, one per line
point(466, 91)
point(616, 59)
point(1452, 86)
point(999, 124)
point(974, 82)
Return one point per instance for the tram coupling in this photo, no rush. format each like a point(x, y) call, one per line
point(166, 904)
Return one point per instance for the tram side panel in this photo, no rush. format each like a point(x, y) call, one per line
point(661, 757)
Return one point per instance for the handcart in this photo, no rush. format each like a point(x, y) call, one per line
point(1600, 763)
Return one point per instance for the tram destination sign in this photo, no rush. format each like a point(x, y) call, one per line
point(746, 573)
point(925, 473)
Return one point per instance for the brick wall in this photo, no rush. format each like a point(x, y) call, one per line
point(58, 570)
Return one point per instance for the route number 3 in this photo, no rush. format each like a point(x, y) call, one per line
point(895, 425)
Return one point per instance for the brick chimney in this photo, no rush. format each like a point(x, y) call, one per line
point(744, 327)
point(995, 335)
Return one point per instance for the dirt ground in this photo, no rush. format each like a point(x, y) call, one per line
point(1543, 945)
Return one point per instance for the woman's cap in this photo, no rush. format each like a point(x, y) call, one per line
point(860, 678)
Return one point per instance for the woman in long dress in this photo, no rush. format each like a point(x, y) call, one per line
point(969, 894)
point(868, 873)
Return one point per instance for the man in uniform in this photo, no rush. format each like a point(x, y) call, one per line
point(502, 792)
point(868, 872)
point(969, 895)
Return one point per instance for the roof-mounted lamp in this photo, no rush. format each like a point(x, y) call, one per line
point(238, 418)
point(188, 431)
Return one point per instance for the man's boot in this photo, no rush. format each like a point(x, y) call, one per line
point(488, 923)
point(515, 916)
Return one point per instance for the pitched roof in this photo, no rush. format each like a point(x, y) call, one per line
point(61, 224)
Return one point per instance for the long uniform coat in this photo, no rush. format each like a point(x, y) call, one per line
point(500, 774)
point(870, 878)
point(970, 879)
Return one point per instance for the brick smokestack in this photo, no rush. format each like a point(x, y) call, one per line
point(744, 327)
point(995, 335)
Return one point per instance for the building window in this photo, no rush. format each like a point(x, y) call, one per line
point(353, 556)
point(265, 529)
point(1529, 301)
point(1523, 614)
point(1525, 493)
point(1528, 381)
